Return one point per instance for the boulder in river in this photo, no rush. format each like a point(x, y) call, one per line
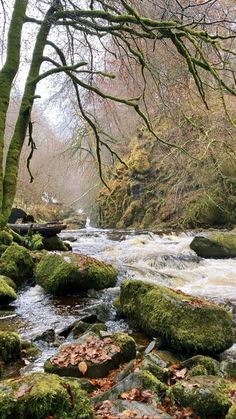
point(40, 395)
point(7, 292)
point(184, 322)
point(219, 245)
point(92, 356)
point(55, 243)
point(63, 275)
point(208, 396)
point(17, 264)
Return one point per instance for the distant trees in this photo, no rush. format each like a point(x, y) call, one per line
point(74, 39)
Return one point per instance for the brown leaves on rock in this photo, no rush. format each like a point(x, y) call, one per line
point(93, 349)
point(83, 261)
point(146, 396)
point(22, 391)
point(177, 373)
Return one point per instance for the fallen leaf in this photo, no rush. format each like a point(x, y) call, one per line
point(83, 367)
point(182, 373)
point(24, 389)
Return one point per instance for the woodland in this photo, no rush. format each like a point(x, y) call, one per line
point(120, 113)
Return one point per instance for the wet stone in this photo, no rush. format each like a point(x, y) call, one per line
point(138, 409)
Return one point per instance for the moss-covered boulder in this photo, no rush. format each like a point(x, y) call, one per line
point(62, 275)
point(184, 322)
point(10, 347)
point(152, 363)
point(6, 240)
point(17, 264)
point(54, 243)
point(92, 356)
point(7, 293)
point(40, 395)
point(219, 245)
point(208, 396)
point(212, 367)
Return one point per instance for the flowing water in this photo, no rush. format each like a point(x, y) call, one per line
point(159, 258)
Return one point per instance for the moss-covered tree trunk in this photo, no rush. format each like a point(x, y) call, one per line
point(7, 75)
point(23, 120)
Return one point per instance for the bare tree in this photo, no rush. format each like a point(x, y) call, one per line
point(73, 39)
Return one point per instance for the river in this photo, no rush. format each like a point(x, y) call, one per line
point(160, 258)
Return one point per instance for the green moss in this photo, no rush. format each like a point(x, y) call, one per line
point(139, 161)
point(17, 263)
point(54, 243)
point(5, 238)
point(208, 396)
point(34, 242)
point(184, 322)
point(198, 370)
point(9, 347)
point(9, 281)
point(43, 395)
point(74, 274)
point(7, 293)
point(211, 365)
point(232, 412)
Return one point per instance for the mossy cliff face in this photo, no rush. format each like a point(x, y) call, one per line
point(219, 245)
point(184, 322)
point(62, 275)
point(17, 264)
point(208, 396)
point(161, 189)
point(41, 395)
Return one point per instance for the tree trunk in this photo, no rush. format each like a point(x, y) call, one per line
point(22, 123)
point(7, 75)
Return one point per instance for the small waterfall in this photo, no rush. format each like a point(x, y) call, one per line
point(87, 225)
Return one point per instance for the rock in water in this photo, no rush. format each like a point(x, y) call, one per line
point(219, 246)
point(63, 275)
point(17, 264)
point(184, 322)
point(92, 356)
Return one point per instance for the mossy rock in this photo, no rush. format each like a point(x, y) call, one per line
point(29, 350)
point(34, 242)
point(60, 275)
point(143, 380)
point(208, 396)
point(7, 293)
point(40, 395)
point(211, 366)
point(6, 238)
point(232, 412)
point(219, 245)
point(10, 347)
point(17, 264)
point(54, 243)
point(184, 323)
point(152, 364)
point(99, 368)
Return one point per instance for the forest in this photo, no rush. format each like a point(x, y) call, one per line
point(117, 209)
